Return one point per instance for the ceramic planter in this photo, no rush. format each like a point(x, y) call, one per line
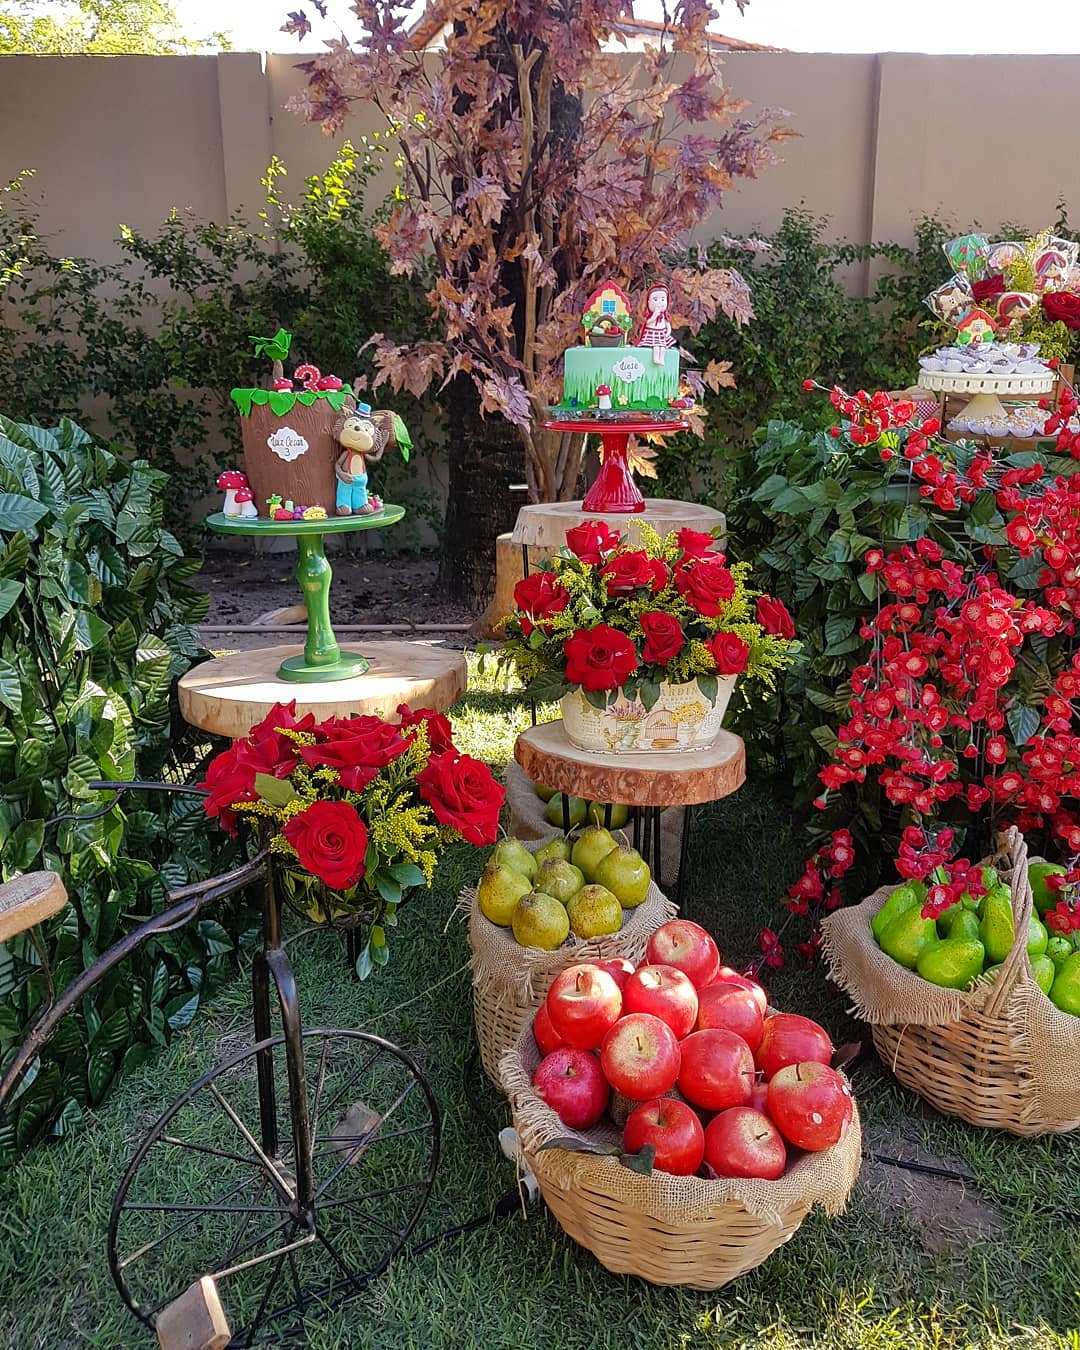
point(681, 719)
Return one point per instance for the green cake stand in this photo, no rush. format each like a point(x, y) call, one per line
point(323, 659)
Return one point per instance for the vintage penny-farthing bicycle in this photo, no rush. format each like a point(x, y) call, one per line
point(284, 1179)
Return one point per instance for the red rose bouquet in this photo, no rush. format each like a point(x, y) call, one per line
point(617, 620)
point(357, 809)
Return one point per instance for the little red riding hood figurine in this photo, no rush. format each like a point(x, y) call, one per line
point(655, 330)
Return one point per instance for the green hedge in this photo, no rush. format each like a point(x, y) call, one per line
point(96, 623)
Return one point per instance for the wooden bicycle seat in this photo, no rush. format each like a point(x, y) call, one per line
point(28, 900)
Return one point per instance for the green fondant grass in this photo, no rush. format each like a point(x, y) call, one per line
point(282, 401)
point(586, 368)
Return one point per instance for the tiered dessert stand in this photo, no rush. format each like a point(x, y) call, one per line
point(987, 391)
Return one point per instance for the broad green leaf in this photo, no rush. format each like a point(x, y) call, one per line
point(407, 874)
point(180, 1011)
point(19, 513)
point(388, 887)
point(10, 687)
point(707, 685)
point(1023, 722)
point(276, 791)
point(99, 1074)
point(282, 401)
point(90, 629)
point(9, 594)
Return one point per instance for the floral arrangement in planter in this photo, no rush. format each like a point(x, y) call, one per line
point(643, 644)
point(357, 810)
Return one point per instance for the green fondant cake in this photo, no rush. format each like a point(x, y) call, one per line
point(630, 373)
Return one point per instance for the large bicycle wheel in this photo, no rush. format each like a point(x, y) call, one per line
point(212, 1189)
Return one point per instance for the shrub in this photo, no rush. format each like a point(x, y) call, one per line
point(96, 622)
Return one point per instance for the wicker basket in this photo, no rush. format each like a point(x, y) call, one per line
point(663, 1228)
point(510, 981)
point(1000, 1055)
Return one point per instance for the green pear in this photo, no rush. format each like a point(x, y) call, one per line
point(999, 892)
point(907, 935)
point(1043, 972)
point(997, 927)
point(514, 854)
point(626, 874)
point(958, 922)
point(619, 814)
point(559, 878)
point(544, 793)
point(555, 848)
point(594, 912)
point(1037, 938)
point(1045, 897)
point(540, 921)
point(1065, 993)
point(905, 896)
point(1058, 948)
point(499, 891)
point(553, 814)
point(592, 845)
point(952, 963)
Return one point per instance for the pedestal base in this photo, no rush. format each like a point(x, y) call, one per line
point(231, 694)
point(296, 669)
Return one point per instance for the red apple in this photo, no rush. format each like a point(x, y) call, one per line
point(666, 993)
point(733, 1008)
point(673, 1130)
point(544, 1034)
point(688, 948)
point(759, 1096)
point(717, 1070)
point(810, 1104)
point(618, 967)
point(572, 1083)
point(582, 1003)
point(726, 975)
point(791, 1039)
point(640, 1057)
point(741, 1142)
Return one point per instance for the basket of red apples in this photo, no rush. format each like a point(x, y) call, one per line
point(678, 1126)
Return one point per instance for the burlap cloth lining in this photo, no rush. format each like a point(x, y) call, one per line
point(529, 821)
point(1045, 1039)
point(824, 1178)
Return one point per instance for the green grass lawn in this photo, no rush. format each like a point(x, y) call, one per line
point(914, 1262)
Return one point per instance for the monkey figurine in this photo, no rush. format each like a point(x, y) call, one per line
point(362, 438)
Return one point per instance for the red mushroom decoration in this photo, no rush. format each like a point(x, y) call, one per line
point(603, 397)
point(245, 501)
point(231, 482)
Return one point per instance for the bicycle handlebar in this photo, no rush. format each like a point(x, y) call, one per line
point(118, 789)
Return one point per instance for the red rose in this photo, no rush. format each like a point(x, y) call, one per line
point(463, 794)
point(226, 783)
point(706, 583)
point(695, 544)
point(773, 616)
point(440, 733)
point(1062, 307)
point(664, 638)
point(539, 596)
point(358, 747)
point(591, 541)
point(599, 658)
point(661, 574)
point(282, 716)
point(988, 289)
point(330, 841)
point(729, 652)
point(628, 571)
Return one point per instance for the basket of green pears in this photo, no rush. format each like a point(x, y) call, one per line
point(977, 1009)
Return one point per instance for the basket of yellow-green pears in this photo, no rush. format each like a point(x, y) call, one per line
point(540, 907)
point(977, 1010)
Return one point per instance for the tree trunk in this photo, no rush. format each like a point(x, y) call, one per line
point(485, 458)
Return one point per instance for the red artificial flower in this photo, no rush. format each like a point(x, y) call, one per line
point(705, 583)
point(664, 638)
point(463, 794)
point(695, 543)
point(1062, 307)
point(599, 658)
point(439, 732)
point(771, 948)
point(773, 616)
point(729, 653)
point(540, 596)
point(330, 841)
point(591, 541)
point(989, 288)
point(627, 572)
point(358, 747)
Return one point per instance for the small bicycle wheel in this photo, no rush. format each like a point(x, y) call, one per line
point(213, 1188)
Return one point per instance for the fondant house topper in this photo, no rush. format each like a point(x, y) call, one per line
point(975, 326)
point(606, 318)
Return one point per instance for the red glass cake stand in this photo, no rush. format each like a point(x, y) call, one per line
point(614, 490)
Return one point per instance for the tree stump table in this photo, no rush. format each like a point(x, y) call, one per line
point(645, 782)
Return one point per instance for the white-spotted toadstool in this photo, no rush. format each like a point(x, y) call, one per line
point(230, 482)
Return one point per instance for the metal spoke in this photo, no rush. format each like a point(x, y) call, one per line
point(199, 1209)
point(354, 1079)
point(350, 1279)
point(279, 1181)
point(319, 1087)
point(359, 1138)
point(301, 1302)
point(265, 1298)
point(243, 1227)
point(214, 1152)
point(359, 1200)
point(373, 1195)
point(179, 1228)
point(371, 1135)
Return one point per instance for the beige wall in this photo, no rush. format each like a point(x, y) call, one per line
point(124, 139)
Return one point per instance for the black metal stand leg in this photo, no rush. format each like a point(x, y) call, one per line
point(637, 828)
point(607, 815)
point(282, 971)
point(657, 864)
point(565, 805)
point(684, 855)
point(264, 1064)
point(352, 950)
